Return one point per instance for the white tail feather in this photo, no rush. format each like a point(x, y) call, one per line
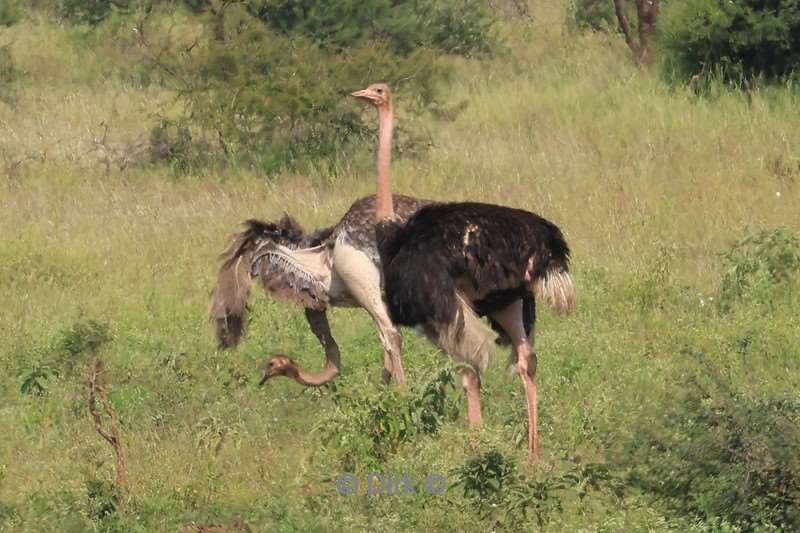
point(557, 289)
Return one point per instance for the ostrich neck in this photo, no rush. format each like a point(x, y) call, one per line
point(383, 203)
point(315, 379)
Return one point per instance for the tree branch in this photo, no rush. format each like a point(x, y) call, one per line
point(111, 435)
point(625, 27)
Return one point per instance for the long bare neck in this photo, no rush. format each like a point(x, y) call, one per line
point(314, 379)
point(384, 209)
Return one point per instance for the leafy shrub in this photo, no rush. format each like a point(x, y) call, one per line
point(493, 487)
point(739, 39)
point(595, 15)
point(720, 455)
point(8, 73)
point(760, 268)
point(103, 497)
point(86, 11)
point(10, 12)
point(452, 26)
point(35, 378)
point(484, 477)
point(266, 82)
point(83, 338)
point(368, 428)
point(171, 143)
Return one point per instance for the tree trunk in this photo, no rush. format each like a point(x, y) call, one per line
point(647, 11)
point(646, 14)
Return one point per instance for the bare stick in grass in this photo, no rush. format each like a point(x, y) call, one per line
point(111, 435)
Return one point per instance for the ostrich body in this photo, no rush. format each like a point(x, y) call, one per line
point(451, 263)
point(336, 266)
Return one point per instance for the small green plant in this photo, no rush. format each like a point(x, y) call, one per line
point(103, 497)
point(760, 268)
point(484, 477)
point(369, 427)
point(35, 379)
point(82, 340)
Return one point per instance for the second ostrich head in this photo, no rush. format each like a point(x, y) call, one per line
point(279, 365)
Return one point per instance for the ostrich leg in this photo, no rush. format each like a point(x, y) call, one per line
point(472, 387)
point(510, 319)
point(363, 281)
point(318, 320)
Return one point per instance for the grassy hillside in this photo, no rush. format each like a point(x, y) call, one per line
point(668, 401)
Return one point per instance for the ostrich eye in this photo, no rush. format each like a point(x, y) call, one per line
point(380, 91)
point(271, 364)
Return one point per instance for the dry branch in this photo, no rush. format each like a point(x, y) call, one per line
point(98, 391)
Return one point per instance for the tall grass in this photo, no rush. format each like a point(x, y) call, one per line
point(651, 186)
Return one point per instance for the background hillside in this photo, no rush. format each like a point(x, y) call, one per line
point(668, 402)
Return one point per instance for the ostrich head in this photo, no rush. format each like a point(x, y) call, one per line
point(377, 94)
point(278, 365)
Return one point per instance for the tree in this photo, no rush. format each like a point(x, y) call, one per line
point(646, 15)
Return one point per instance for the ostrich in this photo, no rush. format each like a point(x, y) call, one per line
point(451, 263)
point(335, 266)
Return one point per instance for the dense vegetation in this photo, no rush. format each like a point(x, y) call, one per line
point(668, 401)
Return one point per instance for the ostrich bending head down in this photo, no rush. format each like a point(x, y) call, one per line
point(451, 263)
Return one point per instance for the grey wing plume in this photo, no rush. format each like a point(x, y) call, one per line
point(302, 276)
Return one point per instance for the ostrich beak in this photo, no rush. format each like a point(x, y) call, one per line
point(264, 379)
point(361, 94)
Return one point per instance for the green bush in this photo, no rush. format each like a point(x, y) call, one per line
point(760, 268)
point(369, 427)
point(720, 455)
point(266, 82)
point(739, 39)
point(452, 26)
point(86, 11)
point(10, 12)
point(493, 487)
point(595, 15)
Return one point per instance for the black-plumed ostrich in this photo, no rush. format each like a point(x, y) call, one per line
point(451, 263)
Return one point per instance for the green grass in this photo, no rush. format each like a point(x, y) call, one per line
point(650, 184)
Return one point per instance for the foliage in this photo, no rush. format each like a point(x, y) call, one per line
point(760, 268)
point(7, 75)
point(453, 26)
point(266, 82)
point(103, 497)
point(82, 340)
point(739, 39)
point(484, 477)
point(34, 379)
point(74, 344)
point(86, 11)
point(491, 483)
point(597, 15)
point(719, 454)
point(368, 428)
point(10, 12)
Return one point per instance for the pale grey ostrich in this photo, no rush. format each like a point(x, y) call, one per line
point(336, 266)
